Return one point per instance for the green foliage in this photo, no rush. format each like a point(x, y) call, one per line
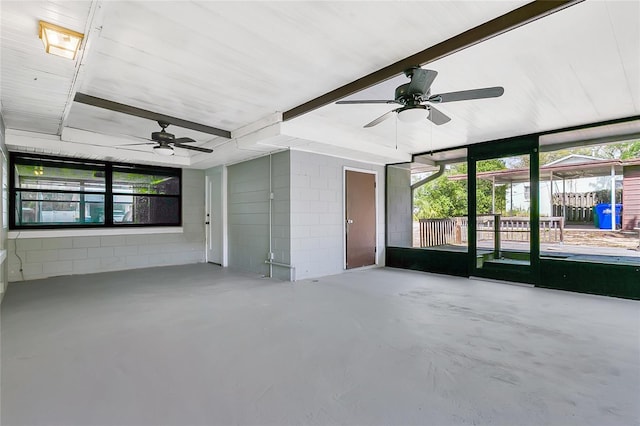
point(441, 198)
point(621, 150)
point(483, 188)
point(632, 151)
point(446, 197)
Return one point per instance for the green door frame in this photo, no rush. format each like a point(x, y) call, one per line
point(496, 149)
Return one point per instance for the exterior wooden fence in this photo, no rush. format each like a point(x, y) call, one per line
point(577, 207)
point(436, 232)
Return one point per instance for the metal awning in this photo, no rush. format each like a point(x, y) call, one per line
point(560, 171)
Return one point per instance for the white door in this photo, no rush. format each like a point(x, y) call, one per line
point(214, 218)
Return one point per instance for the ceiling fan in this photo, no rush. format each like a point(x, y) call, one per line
point(165, 142)
point(416, 99)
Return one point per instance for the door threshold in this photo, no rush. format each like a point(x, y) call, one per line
point(362, 268)
point(491, 280)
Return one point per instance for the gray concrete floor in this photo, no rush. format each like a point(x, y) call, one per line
point(197, 344)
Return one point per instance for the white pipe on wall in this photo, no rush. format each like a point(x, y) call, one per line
point(270, 256)
point(284, 265)
point(270, 261)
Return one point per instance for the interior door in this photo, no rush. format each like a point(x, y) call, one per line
point(213, 218)
point(360, 219)
point(504, 222)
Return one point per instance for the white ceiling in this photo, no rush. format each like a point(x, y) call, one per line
point(237, 65)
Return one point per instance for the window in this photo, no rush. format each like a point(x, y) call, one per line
point(427, 202)
point(51, 192)
point(594, 192)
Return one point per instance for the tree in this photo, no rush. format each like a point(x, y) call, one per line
point(632, 151)
point(447, 197)
point(441, 198)
point(621, 150)
point(484, 192)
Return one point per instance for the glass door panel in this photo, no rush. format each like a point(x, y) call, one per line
point(503, 212)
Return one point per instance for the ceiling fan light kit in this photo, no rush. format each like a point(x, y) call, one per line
point(413, 115)
point(415, 95)
point(163, 150)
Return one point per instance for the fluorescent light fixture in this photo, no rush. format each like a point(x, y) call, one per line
point(60, 41)
point(411, 115)
point(163, 150)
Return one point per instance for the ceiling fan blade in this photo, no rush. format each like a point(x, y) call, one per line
point(364, 101)
point(437, 117)
point(464, 95)
point(183, 140)
point(421, 81)
point(380, 119)
point(134, 144)
point(193, 148)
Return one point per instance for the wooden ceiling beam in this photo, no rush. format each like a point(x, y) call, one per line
point(500, 25)
point(150, 115)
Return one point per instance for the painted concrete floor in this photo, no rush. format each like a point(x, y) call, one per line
point(196, 345)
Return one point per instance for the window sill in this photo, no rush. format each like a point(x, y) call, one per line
point(92, 232)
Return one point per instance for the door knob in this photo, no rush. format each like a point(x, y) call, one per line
point(349, 221)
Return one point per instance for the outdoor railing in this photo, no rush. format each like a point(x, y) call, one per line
point(435, 232)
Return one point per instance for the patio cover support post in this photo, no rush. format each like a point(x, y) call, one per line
point(511, 196)
point(564, 207)
point(493, 195)
point(613, 198)
point(551, 212)
point(496, 236)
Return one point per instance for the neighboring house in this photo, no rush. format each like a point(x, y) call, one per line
point(581, 180)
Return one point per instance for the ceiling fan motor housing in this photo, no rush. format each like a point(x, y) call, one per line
point(407, 98)
point(162, 136)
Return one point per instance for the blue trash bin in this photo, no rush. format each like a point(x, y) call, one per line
point(604, 215)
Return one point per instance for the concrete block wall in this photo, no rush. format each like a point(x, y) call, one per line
point(248, 214)
point(399, 214)
point(317, 213)
point(68, 255)
point(281, 220)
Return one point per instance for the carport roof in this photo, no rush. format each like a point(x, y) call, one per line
point(561, 171)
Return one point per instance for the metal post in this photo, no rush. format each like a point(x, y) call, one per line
point(511, 196)
point(551, 213)
point(564, 207)
point(613, 198)
point(496, 236)
point(493, 195)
